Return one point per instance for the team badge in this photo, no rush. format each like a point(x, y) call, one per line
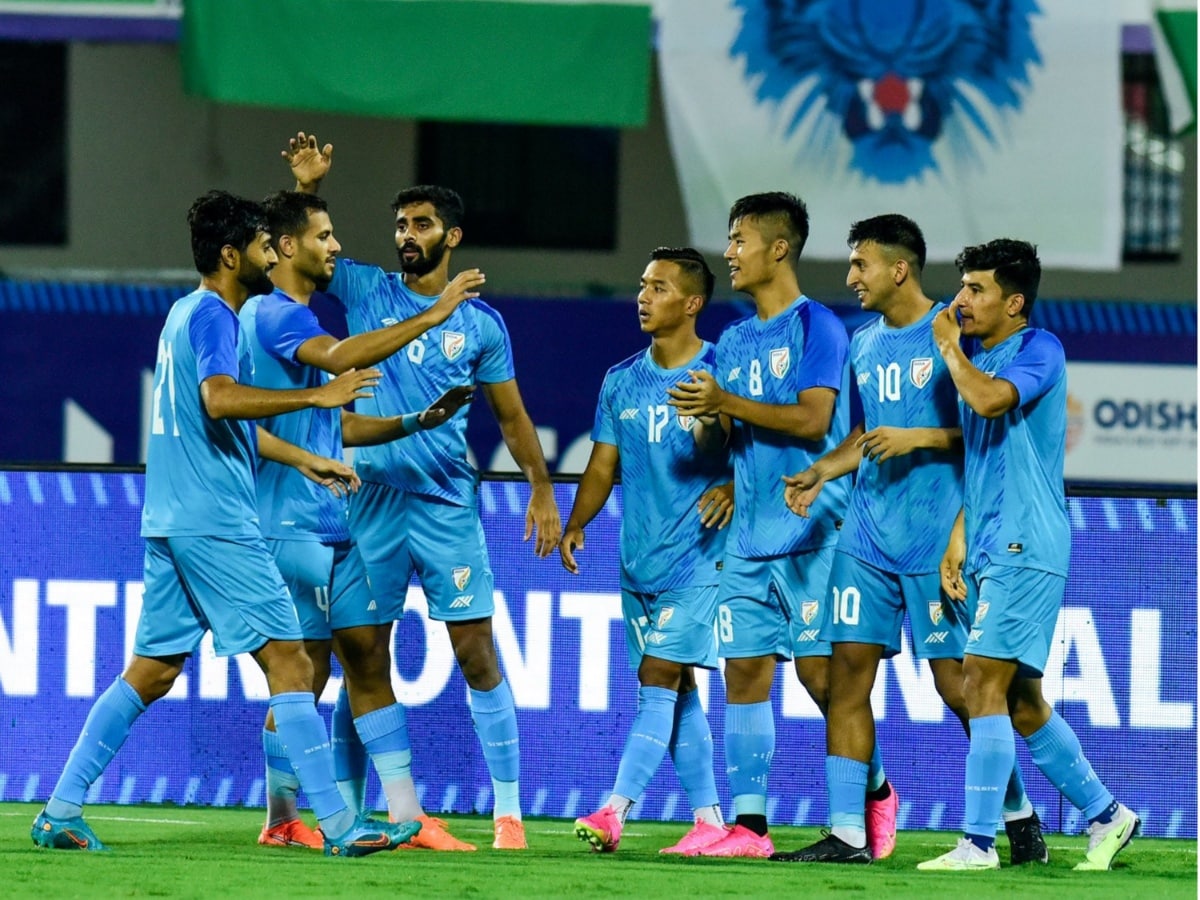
point(780, 361)
point(981, 611)
point(935, 612)
point(462, 576)
point(920, 371)
point(453, 343)
point(808, 610)
point(686, 422)
point(664, 617)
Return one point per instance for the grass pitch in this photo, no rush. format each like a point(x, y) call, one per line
point(173, 851)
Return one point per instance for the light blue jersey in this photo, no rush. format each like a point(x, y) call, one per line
point(902, 509)
point(663, 544)
point(1016, 514)
point(291, 507)
point(199, 471)
point(470, 347)
point(771, 362)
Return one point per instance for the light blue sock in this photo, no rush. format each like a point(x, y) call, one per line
point(691, 748)
point(1016, 801)
point(749, 746)
point(647, 742)
point(282, 783)
point(989, 766)
point(1055, 750)
point(105, 730)
point(349, 754)
point(495, 719)
point(302, 732)
point(875, 774)
point(846, 781)
point(385, 734)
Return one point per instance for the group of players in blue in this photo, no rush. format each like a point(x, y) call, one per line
point(951, 419)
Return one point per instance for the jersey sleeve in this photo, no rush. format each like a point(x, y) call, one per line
point(282, 326)
point(604, 429)
point(496, 362)
point(857, 415)
point(824, 351)
point(353, 281)
point(1036, 367)
point(212, 329)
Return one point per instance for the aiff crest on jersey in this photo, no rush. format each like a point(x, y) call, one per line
point(894, 77)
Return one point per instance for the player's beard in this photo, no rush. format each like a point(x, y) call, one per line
point(423, 264)
point(256, 282)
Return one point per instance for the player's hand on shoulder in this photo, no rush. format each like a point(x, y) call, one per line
point(353, 384)
point(308, 162)
point(801, 491)
point(444, 407)
point(716, 506)
point(542, 518)
point(463, 286)
point(572, 540)
point(698, 396)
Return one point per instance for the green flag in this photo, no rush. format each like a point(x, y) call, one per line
point(1174, 27)
point(548, 62)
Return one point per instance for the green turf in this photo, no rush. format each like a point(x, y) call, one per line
point(171, 851)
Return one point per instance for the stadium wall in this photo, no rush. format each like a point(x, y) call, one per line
point(1122, 668)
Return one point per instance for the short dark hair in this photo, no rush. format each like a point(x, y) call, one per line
point(446, 202)
point(218, 219)
point(784, 212)
point(898, 233)
point(288, 212)
point(1015, 263)
point(694, 267)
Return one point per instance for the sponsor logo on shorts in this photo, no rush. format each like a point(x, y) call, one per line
point(371, 607)
point(453, 343)
point(919, 371)
point(809, 610)
point(1015, 547)
point(976, 635)
point(937, 637)
point(936, 612)
point(462, 601)
point(655, 637)
point(779, 361)
point(808, 635)
point(628, 414)
point(462, 576)
point(665, 616)
point(981, 611)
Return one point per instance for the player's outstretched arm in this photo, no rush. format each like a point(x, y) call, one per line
point(541, 517)
point(887, 441)
point(365, 431)
point(953, 560)
point(594, 488)
point(802, 489)
point(716, 506)
point(371, 347)
point(987, 396)
point(331, 473)
point(808, 418)
point(309, 164)
point(224, 398)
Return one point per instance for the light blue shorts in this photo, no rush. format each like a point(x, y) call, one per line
point(229, 586)
point(1014, 612)
point(675, 625)
point(328, 583)
point(775, 606)
point(867, 606)
point(398, 533)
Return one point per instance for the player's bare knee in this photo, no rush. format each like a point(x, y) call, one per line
point(655, 672)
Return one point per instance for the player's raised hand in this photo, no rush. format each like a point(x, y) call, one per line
point(353, 384)
point(542, 518)
point(946, 327)
point(716, 506)
point(444, 407)
point(333, 474)
point(952, 563)
point(308, 163)
point(699, 396)
point(802, 490)
point(572, 540)
point(885, 442)
point(461, 287)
